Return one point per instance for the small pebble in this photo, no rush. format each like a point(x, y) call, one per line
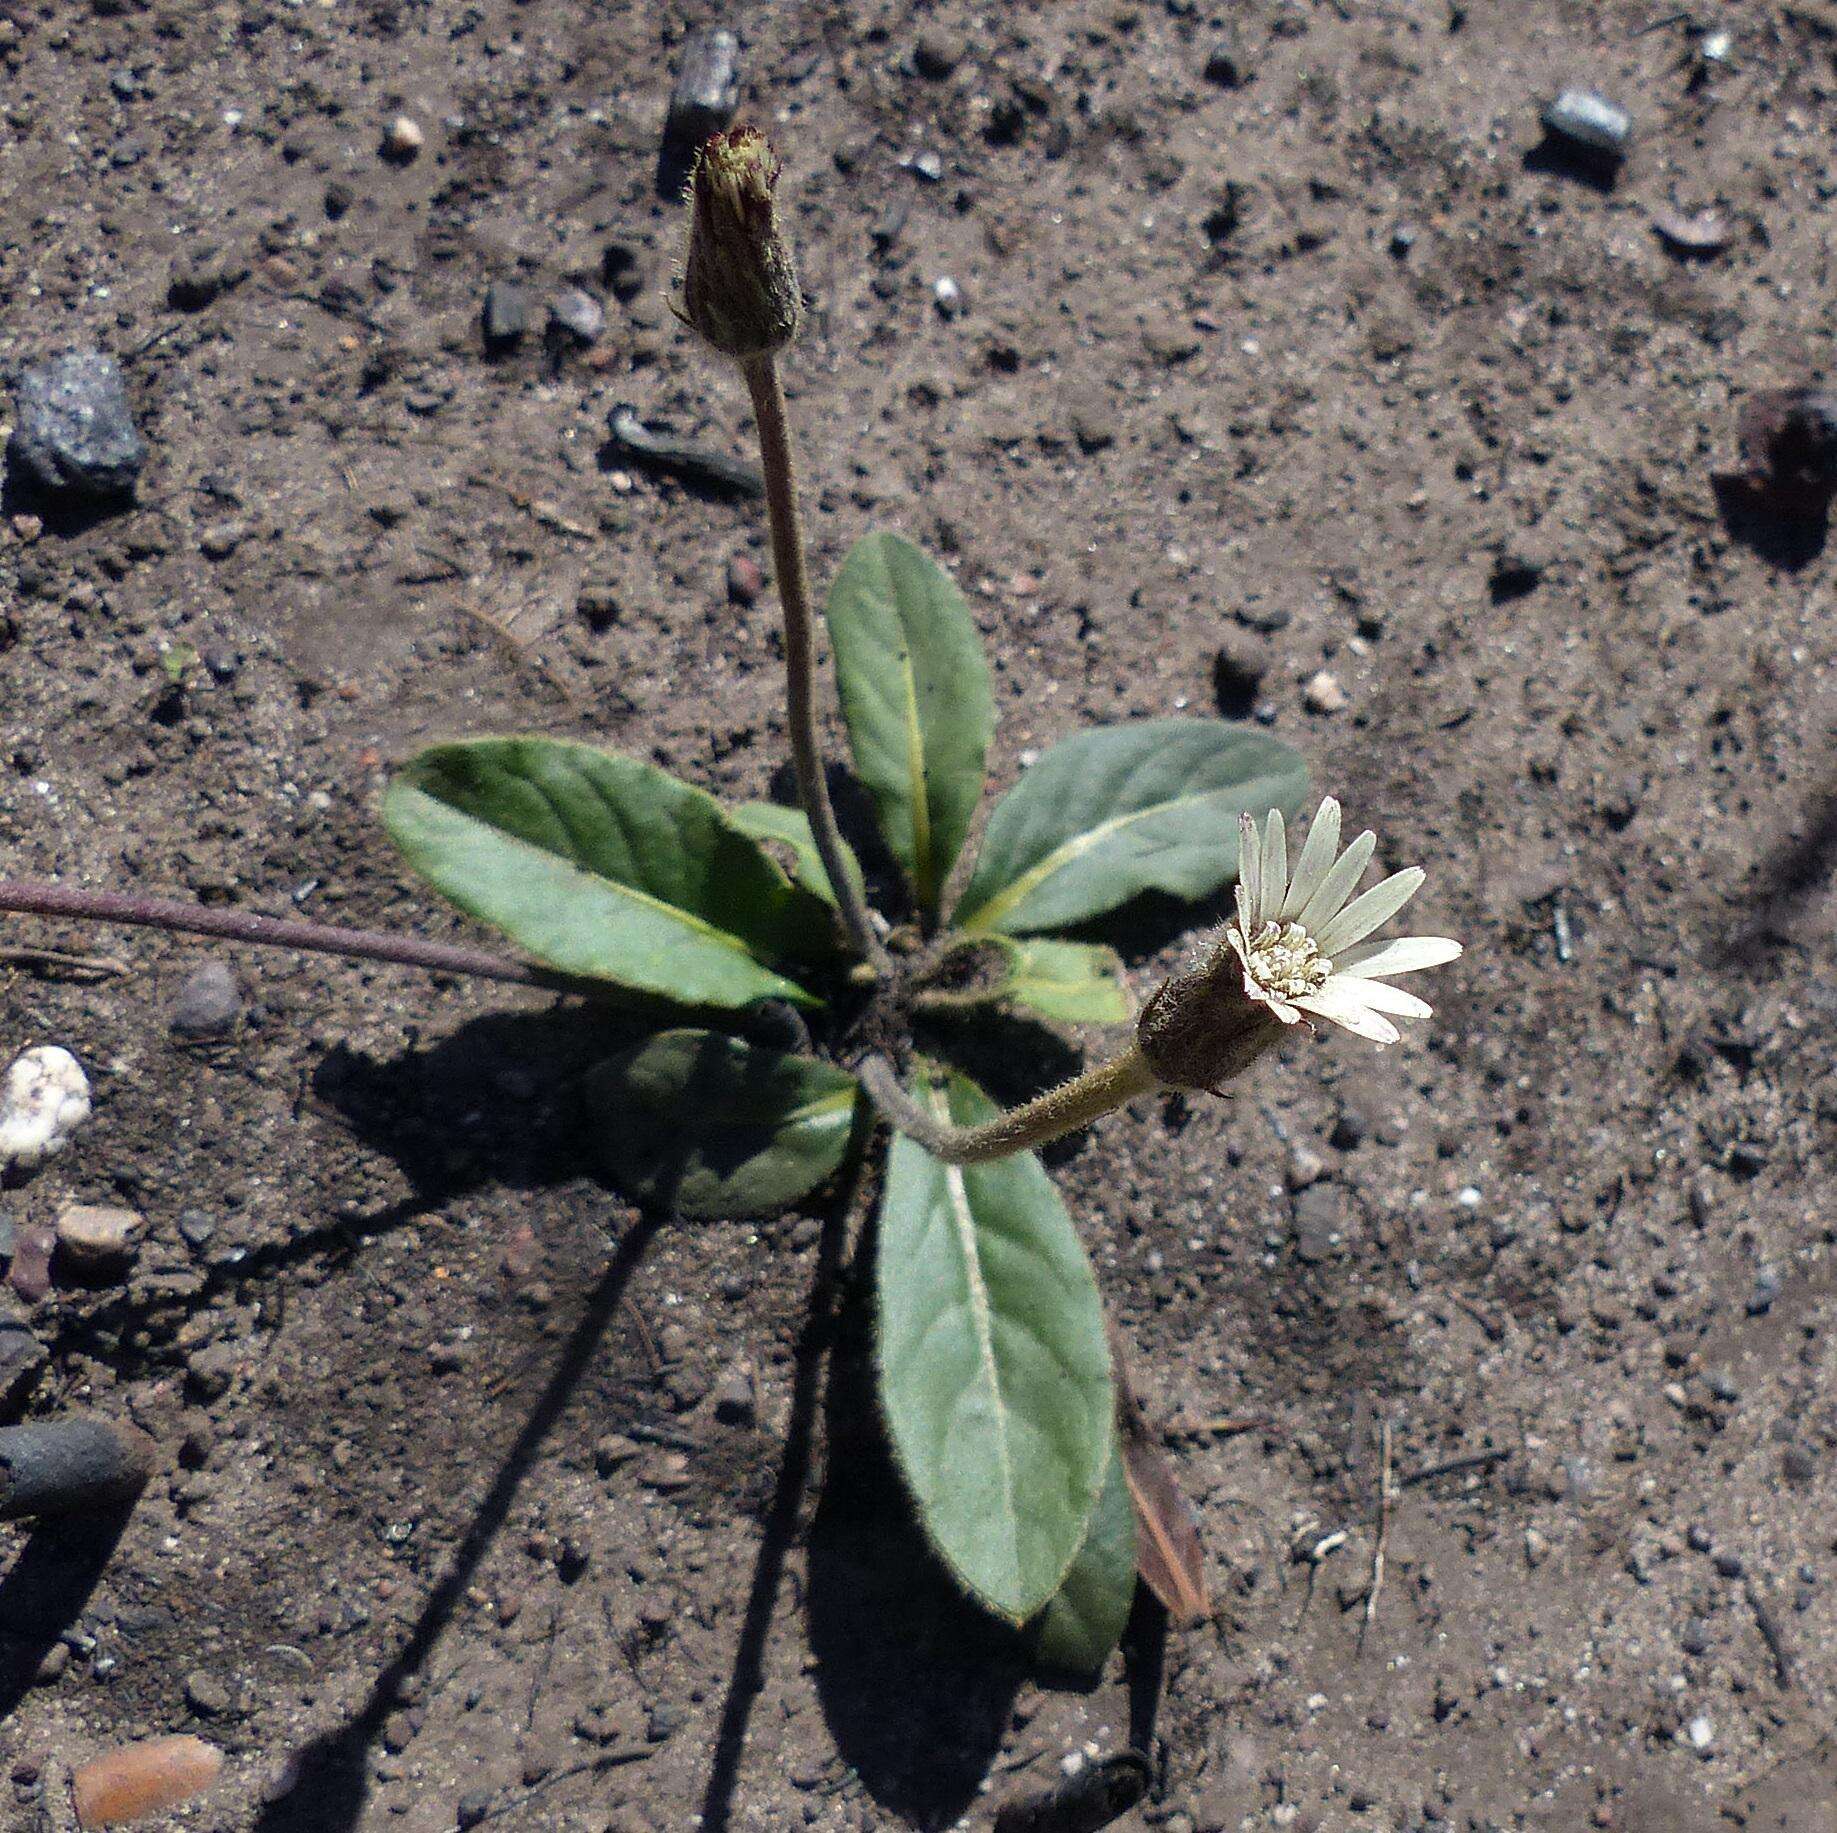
point(1323, 694)
point(505, 315)
point(745, 579)
point(577, 314)
point(706, 91)
point(1730, 1565)
point(206, 1695)
point(936, 55)
point(1590, 123)
point(97, 1235)
point(1536, 1548)
point(1699, 1732)
point(209, 1004)
point(734, 1401)
point(947, 296)
point(1766, 1290)
point(403, 139)
point(1695, 1637)
point(1697, 1538)
point(1305, 1167)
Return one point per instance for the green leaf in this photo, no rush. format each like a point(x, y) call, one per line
point(994, 1369)
point(1150, 806)
point(1076, 983)
point(603, 866)
point(916, 699)
point(706, 1125)
point(1088, 1613)
point(791, 827)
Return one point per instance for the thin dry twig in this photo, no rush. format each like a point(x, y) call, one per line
point(1382, 1545)
point(23, 954)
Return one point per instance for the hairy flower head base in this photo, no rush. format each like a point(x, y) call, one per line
point(1296, 950)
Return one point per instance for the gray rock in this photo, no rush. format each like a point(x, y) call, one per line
point(707, 90)
point(577, 314)
point(1322, 1222)
point(506, 315)
point(209, 1003)
point(74, 432)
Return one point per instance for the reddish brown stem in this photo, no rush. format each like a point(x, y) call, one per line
point(33, 899)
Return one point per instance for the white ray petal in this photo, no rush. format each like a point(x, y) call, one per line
point(1381, 996)
point(1364, 914)
point(1400, 955)
point(1250, 867)
point(1340, 1005)
point(1336, 887)
point(1275, 866)
point(1315, 861)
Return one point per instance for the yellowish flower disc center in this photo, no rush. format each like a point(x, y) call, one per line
point(1284, 961)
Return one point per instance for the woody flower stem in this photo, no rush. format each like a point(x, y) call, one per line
point(793, 576)
point(1060, 1110)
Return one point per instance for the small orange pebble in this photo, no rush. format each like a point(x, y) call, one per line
point(141, 1779)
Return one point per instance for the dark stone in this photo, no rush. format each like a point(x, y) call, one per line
point(505, 316)
point(209, 1003)
point(471, 1809)
point(74, 431)
point(1224, 67)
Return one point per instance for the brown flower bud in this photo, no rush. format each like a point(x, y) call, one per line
point(1201, 1029)
point(739, 282)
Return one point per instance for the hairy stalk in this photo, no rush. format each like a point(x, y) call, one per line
point(793, 576)
point(1061, 1110)
point(32, 899)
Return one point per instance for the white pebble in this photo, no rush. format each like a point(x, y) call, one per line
point(403, 138)
point(1700, 1732)
point(947, 296)
point(1323, 693)
point(44, 1099)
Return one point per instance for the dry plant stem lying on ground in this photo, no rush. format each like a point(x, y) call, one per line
point(32, 899)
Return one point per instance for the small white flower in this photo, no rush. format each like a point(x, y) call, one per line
point(1302, 944)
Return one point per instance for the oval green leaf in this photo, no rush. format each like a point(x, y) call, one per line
point(1110, 813)
point(605, 867)
point(1088, 1613)
point(916, 699)
point(700, 1124)
point(994, 1370)
point(1072, 983)
point(790, 827)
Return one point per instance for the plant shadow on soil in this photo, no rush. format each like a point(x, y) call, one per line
point(916, 1683)
point(45, 1591)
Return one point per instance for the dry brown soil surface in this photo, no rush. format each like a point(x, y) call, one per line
point(446, 1512)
